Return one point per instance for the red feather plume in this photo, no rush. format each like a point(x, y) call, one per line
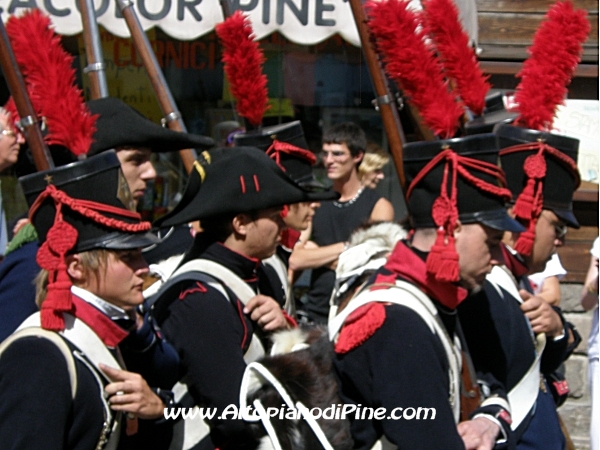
point(442, 24)
point(243, 61)
point(50, 79)
point(554, 54)
point(412, 64)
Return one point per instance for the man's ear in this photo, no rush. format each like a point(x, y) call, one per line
point(458, 227)
point(240, 224)
point(75, 268)
point(358, 158)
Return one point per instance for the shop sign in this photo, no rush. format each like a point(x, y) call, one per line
point(301, 21)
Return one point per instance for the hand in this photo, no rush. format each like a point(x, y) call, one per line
point(542, 317)
point(130, 393)
point(266, 312)
point(478, 434)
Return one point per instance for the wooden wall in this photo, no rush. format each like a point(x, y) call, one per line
point(506, 27)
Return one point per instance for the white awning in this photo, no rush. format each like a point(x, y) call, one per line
point(301, 21)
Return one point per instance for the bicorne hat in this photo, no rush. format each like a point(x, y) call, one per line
point(285, 143)
point(119, 125)
point(233, 180)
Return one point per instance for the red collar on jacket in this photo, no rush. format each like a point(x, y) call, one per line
point(404, 262)
point(108, 331)
point(513, 261)
point(289, 238)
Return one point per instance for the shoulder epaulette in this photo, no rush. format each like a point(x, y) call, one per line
point(360, 326)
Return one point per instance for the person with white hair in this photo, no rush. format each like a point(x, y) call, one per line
point(10, 143)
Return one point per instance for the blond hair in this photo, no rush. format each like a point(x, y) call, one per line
point(91, 261)
point(374, 159)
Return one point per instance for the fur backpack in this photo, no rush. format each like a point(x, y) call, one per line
point(282, 389)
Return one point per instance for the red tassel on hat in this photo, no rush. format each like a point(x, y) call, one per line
point(524, 244)
point(434, 259)
point(535, 170)
point(61, 238)
point(51, 257)
point(442, 261)
point(450, 269)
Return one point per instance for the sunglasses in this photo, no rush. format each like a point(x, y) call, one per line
point(560, 229)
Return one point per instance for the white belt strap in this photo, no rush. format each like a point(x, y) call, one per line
point(191, 431)
point(502, 277)
point(95, 351)
point(56, 340)
point(282, 273)
point(424, 307)
point(523, 396)
point(83, 337)
point(254, 376)
point(233, 282)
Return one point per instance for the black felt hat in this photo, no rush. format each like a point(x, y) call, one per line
point(120, 125)
point(452, 180)
point(493, 114)
point(93, 198)
point(473, 203)
point(285, 143)
point(231, 181)
point(541, 171)
point(76, 208)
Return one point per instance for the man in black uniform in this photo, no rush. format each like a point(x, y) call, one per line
point(216, 320)
point(287, 146)
point(135, 138)
point(396, 345)
point(54, 369)
point(512, 334)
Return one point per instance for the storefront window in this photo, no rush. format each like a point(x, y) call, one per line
point(319, 85)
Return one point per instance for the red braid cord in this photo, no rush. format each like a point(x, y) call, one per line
point(51, 257)
point(442, 261)
point(279, 147)
point(529, 203)
point(90, 210)
point(61, 238)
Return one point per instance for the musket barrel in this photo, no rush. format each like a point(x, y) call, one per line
point(29, 120)
point(385, 103)
point(93, 50)
point(172, 117)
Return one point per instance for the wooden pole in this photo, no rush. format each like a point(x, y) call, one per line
point(93, 50)
point(172, 117)
point(29, 122)
point(385, 101)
